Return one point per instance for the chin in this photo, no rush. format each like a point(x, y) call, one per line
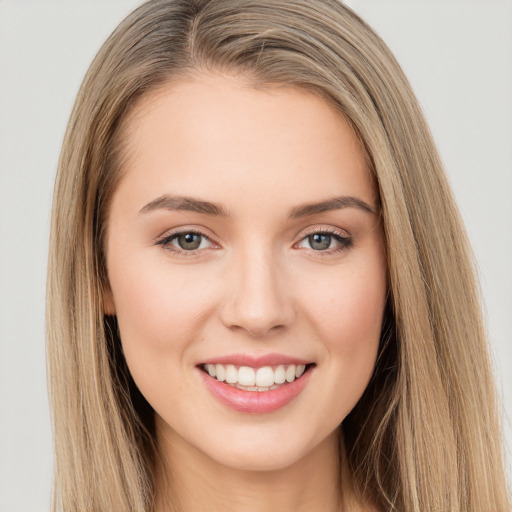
point(270, 452)
point(242, 460)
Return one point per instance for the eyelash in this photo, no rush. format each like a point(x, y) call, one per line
point(344, 242)
point(166, 241)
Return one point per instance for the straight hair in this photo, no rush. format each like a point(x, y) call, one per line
point(425, 436)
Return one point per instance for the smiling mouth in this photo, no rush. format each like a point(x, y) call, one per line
point(265, 378)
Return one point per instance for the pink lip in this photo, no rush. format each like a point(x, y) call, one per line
point(255, 361)
point(255, 402)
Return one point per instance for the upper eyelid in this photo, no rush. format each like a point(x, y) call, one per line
point(329, 230)
point(199, 230)
point(334, 234)
point(169, 233)
point(165, 242)
point(343, 244)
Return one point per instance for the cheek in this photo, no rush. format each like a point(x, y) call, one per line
point(347, 313)
point(158, 306)
point(345, 309)
point(350, 306)
point(159, 309)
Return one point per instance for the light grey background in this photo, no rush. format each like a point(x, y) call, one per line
point(458, 56)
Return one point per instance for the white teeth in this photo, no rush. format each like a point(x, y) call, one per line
point(211, 369)
point(255, 379)
point(290, 373)
point(280, 375)
point(220, 372)
point(265, 377)
point(246, 376)
point(231, 374)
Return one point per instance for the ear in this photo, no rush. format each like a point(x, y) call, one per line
point(109, 307)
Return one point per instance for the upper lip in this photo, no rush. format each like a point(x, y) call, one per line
point(255, 361)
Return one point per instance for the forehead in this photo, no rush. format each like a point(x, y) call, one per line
point(216, 135)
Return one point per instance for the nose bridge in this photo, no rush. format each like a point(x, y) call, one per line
point(258, 299)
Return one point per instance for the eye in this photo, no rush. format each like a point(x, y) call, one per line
point(185, 241)
point(324, 241)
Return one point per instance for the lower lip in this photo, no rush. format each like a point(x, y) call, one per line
point(255, 402)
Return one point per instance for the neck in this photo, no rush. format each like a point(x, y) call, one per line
point(193, 481)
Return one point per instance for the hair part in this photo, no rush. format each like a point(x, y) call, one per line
point(425, 435)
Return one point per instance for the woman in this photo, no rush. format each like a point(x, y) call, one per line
point(260, 289)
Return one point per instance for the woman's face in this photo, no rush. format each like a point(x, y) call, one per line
point(244, 250)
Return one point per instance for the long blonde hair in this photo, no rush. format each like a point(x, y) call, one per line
point(425, 436)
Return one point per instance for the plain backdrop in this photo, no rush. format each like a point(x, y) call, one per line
point(458, 56)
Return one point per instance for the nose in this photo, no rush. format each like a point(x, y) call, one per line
point(258, 299)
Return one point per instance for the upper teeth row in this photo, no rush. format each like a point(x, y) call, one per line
point(265, 376)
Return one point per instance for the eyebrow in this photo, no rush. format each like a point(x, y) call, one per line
point(336, 203)
point(191, 204)
point(182, 203)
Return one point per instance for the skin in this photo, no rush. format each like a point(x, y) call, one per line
point(255, 285)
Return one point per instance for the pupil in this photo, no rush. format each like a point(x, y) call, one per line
point(319, 242)
point(189, 241)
